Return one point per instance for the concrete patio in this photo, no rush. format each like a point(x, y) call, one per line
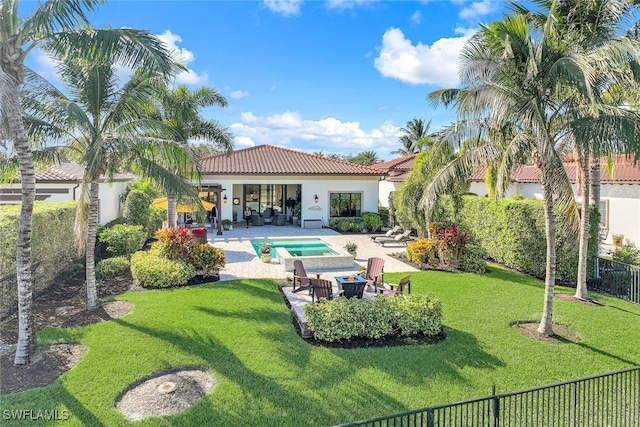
point(243, 263)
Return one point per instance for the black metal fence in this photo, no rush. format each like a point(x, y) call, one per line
point(617, 279)
point(611, 399)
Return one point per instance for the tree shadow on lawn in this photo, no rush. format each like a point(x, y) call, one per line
point(317, 405)
point(262, 315)
point(247, 286)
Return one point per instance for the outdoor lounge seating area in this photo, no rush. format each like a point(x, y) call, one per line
point(402, 238)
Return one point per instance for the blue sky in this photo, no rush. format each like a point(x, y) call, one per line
point(332, 76)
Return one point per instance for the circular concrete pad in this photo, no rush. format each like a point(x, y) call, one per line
point(166, 394)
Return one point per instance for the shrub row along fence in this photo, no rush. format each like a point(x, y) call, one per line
point(617, 279)
point(611, 399)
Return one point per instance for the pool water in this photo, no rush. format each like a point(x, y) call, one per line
point(296, 247)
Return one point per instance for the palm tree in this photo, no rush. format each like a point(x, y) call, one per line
point(415, 139)
point(595, 28)
point(54, 23)
point(365, 158)
point(106, 128)
point(179, 108)
point(527, 81)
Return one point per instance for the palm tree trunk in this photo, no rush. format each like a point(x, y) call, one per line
point(583, 188)
point(16, 131)
point(546, 322)
point(595, 182)
point(92, 227)
point(171, 212)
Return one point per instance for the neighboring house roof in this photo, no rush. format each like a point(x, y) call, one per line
point(398, 169)
point(272, 160)
point(624, 172)
point(72, 172)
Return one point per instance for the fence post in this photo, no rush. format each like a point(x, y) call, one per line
point(430, 418)
point(496, 407)
point(574, 404)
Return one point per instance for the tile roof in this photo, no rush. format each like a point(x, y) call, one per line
point(397, 169)
point(624, 171)
point(272, 160)
point(72, 172)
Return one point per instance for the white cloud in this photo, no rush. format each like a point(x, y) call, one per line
point(416, 18)
point(184, 57)
point(284, 7)
point(237, 94)
point(346, 4)
point(477, 9)
point(420, 64)
point(328, 134)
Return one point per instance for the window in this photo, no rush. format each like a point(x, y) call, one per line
point(262, 196)
point(604, 213)
point(345, 204)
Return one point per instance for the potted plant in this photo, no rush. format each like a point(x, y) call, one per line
point(226, 224)
point(351, 247)
point(297, 211)
point(617, 239)
point(265, 252)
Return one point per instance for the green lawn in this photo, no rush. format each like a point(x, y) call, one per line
point(268, 376)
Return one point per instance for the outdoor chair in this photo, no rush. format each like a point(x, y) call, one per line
point(389, 233)
point(400, 238)
point(374, 274)
point(322, 288)
point(281, 219)
point(300, 275)
point(256, 219)
point(267, 216)
point(396, 290)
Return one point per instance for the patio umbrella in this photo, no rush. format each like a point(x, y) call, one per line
point(183, 207)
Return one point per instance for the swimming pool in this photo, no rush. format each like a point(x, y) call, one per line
point(296, 247)
point(314, 252)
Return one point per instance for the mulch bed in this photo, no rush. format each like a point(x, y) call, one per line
point(562, 334)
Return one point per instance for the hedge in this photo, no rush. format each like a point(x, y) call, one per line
point(512, 231)
point(52, 245)
point(344, 319)
point(149, 269)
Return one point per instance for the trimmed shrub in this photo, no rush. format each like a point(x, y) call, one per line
point(423, 251)
point(418, 314)
point(371, 221)
point(123, 239)
point(136, 208)
point(343, 319)
point(151, 270)
point(206, 259)
point(112, 267)
point(156, 217)
point(474, 259)
point(626, 254)
point(53, 249)
point(347, 224)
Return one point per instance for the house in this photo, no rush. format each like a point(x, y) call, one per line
point(62, 182)
point(620, 192)
point(396, 172)
point(275, 180)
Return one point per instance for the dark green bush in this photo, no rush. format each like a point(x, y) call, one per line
point(136, 208)
point(474, 259)
point(384, 215)
point(371, 221)
point(151, 270)
point(112, 267)
point(343, 319)
point(418, 314)
point(123, 239)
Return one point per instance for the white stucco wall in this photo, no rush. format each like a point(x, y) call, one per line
point(384, 189)
point(310, 186)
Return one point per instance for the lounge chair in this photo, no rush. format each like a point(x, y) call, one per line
point(256, 219)
point(300, 275)
point(374, 274)
point(281, 219)
point(389, 233)
point(267, 215)
point(322, 288)
point(400, 238)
